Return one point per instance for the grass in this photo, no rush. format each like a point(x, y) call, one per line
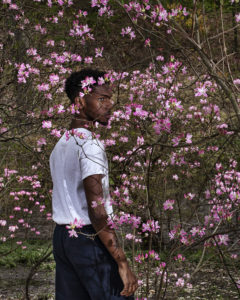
point(28, 257)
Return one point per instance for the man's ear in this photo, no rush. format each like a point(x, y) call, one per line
point(80, 102)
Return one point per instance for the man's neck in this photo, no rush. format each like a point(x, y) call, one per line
point(77, 122)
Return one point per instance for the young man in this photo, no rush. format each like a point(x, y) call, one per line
point(86, 268)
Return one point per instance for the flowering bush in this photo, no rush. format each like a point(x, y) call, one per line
point(172, 141)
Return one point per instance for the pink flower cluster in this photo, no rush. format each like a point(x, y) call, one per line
point(168, 204)
point(76, 224)
point(24, 71)
point(124, 218)
point(128, 31)
point(82, 31)
point(140, 258)
point(151, 226)
point(103, 9)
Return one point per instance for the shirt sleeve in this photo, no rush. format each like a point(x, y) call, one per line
point(92, 158)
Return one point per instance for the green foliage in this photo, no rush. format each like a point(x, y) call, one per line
point(35, 250)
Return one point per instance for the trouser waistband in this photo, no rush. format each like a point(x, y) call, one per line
point(88, 226)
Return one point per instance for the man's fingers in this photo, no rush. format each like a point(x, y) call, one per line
point(134, 287)
point(130, 290)
point(125, 289)
point(130, 283)
point(123, 292)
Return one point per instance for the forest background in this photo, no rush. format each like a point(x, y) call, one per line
point(172, 142)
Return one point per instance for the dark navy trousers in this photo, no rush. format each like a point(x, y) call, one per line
point(84, 268)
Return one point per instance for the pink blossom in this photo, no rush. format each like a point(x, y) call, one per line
point(32, 52)
point(8, 172)
point(94, 3)
point(223, 239)
point(87, 81)
point(201, 91)
point(237, 18)
point(60, 109)
point(43, 87)
point(128, 31)
point(109, 142)
point(54, 79)
point(47, 62)
point(100, 201)
point(162, 125)
point(140, 140)
point(160, 58)
point(189, 138)
point(163, 15)
point(17, 208)
point(94, 204)
point(179, 257)
point(140, 282)
point(3, 222)
point(147, 43)
point(101, 81)
point(50, 43)
point(41, 141)
point(129, 236)
point(132, 35)
point(56, 132)
point(175, 177)
point(151, 225)
point(123, 139)
point(236, 81)
point(180, 282)
point(3, 129)
point(13, 228)
point(46, 124)
point(194, 231)
point(88, 60)
point(168, 205)
point(98, 52)
point(81, 14)
point(72, 233)
point(13, 6)
point(189, 196)
point(140, 258)
point(75, 224)
point(139, 112)
point(238, 283)
point(153, 254)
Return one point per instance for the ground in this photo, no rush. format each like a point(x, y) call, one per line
point(209, 284)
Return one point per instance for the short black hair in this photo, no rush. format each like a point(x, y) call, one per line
point(73, 82)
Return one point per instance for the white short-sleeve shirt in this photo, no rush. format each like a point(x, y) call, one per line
point(72, 160)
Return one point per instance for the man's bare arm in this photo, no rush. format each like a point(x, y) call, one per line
point(98, 217)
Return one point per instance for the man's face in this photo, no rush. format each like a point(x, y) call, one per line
point(98, 104)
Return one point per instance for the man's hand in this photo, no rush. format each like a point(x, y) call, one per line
point(128, 278)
